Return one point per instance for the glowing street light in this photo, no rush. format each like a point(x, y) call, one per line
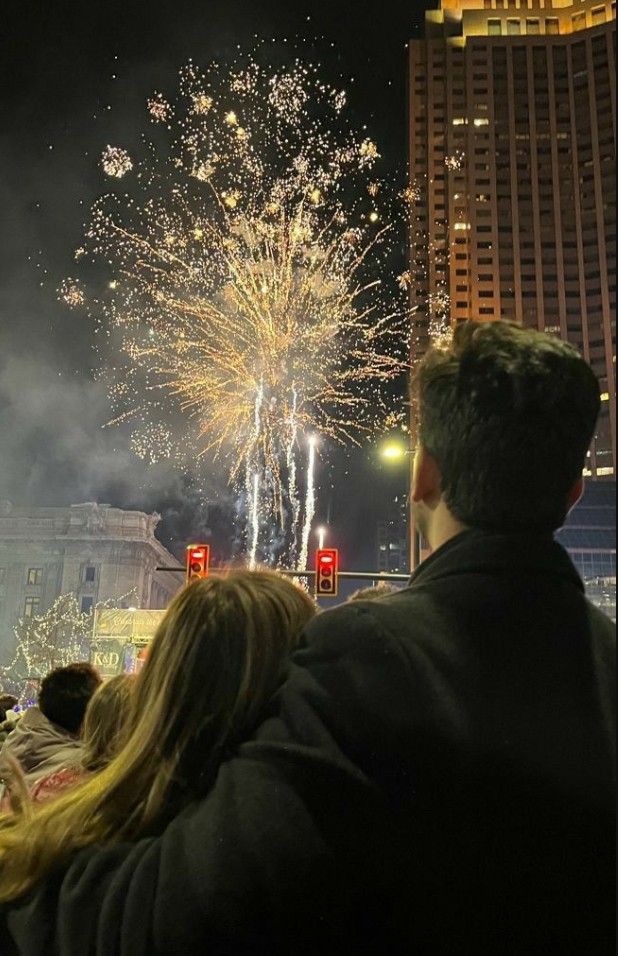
point(396, 451)
point(393, 452)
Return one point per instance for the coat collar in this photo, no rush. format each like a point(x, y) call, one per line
point(490, 553)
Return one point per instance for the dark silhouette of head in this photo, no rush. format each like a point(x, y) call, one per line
point(65, 693)
point(7, 702)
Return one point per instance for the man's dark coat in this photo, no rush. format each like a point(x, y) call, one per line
point(436, 775)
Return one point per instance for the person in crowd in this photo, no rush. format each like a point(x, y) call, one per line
point(8, 716)
point(105, 723)
point(436, 773)
point(7, 703)
point(47, 737)
point(217, 658)
point(379, 590)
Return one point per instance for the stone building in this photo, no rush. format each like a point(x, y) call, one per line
point(96, 552)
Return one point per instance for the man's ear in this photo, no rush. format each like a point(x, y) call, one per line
point(575, 493)
point(426, 478)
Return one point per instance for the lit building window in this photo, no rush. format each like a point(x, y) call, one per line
point(481, 121)
point(533, 26)
point(462, 225)
point(605, 396)
point(513, 27)
point(34, 576)
point(31, 606)
point(552, 25)
point(460, 121)
point(86, 605)
point(605, 471)
point(494, 28)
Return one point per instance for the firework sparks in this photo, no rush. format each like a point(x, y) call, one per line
point(249, 310)
point(116, 162)
point(159, 109)
point(71, 293)
point(455, 161)
point(404, 280)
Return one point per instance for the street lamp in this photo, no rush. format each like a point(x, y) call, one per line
point(394, 451)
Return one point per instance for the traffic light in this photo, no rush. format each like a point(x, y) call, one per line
point(197, 561)
point(326, 568)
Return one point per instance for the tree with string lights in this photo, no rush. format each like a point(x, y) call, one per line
point(56, 637)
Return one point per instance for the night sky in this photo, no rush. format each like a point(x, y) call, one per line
point(62, 64)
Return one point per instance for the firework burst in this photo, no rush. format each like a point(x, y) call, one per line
point(250, 300)
point(116, 162)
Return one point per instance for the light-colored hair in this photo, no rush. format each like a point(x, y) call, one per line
point(217, 657)
point(381, 589)
point(105, 722)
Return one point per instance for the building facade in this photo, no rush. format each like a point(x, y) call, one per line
point(96, 552)
point(589, 535)
point(513, 177)
point(393, 546)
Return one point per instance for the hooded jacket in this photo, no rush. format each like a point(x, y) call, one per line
point(40, 746)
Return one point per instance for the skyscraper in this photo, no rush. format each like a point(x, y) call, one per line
point(513, 177)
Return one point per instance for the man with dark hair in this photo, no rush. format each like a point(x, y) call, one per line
point(506, 416)
point(435, 776)
point(46, 738)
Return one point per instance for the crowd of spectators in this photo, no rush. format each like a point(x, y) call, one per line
point(427, 769)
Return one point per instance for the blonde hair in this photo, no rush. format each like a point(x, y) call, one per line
point(105, 721)
point(217, 657)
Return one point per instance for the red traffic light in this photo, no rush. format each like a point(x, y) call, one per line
point(197, 560)
point(326, 568)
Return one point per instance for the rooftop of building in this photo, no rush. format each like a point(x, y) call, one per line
point(85, 519)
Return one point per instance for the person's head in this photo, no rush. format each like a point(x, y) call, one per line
point(65, 693)
point(505, 416)
point(106, 721)
point(7, 702)
point(217, 657)
point(381, 589)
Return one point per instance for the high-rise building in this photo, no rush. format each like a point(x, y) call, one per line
point(513, 177)
point(393, 546)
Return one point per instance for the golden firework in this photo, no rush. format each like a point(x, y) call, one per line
point(252, 310)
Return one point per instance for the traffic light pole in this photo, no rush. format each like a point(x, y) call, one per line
point(361, 575)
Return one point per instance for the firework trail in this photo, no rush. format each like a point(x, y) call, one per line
point(290, 460)
point(309, 505)
point(248, 301)
point(252, 481)
point(255, 521)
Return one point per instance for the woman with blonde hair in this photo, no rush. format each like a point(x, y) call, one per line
point(217, 657)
